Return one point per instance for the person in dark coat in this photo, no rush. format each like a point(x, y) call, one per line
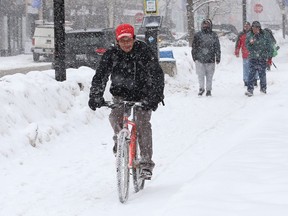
point(205, 52)
point(135, 75)
point(260, 48)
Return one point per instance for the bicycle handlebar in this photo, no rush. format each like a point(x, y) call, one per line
point(113, 105)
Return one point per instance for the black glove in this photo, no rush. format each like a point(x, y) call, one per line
point(96, 102)
point(149, 105)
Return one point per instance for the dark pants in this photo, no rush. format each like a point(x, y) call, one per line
point(257, 65)
point(144, 131)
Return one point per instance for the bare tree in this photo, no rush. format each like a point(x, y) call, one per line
point(167, 20)
point(192, 7)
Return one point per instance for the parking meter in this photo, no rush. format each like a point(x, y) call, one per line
point(152, 25)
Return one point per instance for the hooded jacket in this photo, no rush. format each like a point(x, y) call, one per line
point(206, 45)
point(135, 76)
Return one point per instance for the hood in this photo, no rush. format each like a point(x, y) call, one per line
point(208, 23)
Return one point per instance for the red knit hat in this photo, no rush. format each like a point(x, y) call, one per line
point(124, 30)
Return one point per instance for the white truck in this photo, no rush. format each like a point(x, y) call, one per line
point(43, 42)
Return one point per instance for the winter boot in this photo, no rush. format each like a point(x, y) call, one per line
point(249, 93)
point(263, 91)
point(208, 93)
point(201, 91)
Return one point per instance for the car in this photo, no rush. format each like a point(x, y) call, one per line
point(85, 47)
point(165, 37)
point(43, 40)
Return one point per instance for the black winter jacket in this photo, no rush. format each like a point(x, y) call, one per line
point(135, 76)
point(206, 47)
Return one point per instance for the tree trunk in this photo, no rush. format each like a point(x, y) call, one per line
point(190, 19)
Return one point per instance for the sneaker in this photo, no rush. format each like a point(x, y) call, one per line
point(146, 174)
point(263, 91)
point(208, 93)
point(249, 94)
point(201, 91)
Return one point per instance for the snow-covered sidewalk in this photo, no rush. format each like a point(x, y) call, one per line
point(221, 155)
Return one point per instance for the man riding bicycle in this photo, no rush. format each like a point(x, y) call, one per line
point(135, 76)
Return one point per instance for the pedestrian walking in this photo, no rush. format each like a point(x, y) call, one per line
point(205, 52)
point(260, 50)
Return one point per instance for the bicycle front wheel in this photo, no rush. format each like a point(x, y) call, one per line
point(136, 171)
point(122, 160)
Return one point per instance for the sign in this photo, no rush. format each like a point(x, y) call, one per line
point(139, 17)
point(37, 4)
point(151, 7)
point(258, 8)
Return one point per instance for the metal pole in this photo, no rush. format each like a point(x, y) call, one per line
point(283, 18)
point(59, 35)
point(244, 10)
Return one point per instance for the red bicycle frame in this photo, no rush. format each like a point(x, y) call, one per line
point(133, 139)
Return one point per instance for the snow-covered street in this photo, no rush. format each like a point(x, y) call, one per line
point(225, 155)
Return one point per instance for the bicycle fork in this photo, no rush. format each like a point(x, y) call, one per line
point(132, 145)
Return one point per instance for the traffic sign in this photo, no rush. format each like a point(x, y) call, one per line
point(139, 17)
point(258, 8)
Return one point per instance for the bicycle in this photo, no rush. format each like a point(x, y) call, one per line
point(128, 152)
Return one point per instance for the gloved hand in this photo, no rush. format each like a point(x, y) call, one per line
point(269, 61)
point(96, 103)
point(149, 105)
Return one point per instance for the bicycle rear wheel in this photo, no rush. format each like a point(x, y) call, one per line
point(122, 159)
point(136, 172)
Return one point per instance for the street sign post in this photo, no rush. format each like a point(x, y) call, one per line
point(151, 7)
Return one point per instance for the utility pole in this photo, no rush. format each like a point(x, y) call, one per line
point(244, 10)
point(283, 18)
point(59, 35)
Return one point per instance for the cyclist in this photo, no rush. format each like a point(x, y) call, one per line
point(135, 76)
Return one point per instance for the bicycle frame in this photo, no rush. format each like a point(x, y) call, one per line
point(133, 133)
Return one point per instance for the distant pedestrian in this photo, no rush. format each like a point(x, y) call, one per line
point(260, 50)
point(205, 52)
point(240, 45)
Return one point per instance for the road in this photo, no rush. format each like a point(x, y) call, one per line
point(21, 64)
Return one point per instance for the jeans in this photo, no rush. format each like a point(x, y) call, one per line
point(257, 66)
point(245, 70)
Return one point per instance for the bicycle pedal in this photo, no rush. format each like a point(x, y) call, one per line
point(146, 174)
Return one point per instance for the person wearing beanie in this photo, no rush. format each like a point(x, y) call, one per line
point(260, 49)
point(135, 75)
point(205, 52)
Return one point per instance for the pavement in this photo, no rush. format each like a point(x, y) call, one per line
point(22, 64)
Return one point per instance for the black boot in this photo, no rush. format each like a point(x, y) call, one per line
point(201, 91)
point(208, 93)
